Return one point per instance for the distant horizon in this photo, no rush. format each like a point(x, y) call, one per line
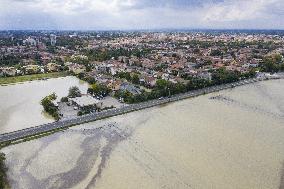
point(158, 29)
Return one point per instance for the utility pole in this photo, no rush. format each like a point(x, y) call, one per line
point(169, 97)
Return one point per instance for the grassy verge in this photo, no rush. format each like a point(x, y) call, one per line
point(17, 79)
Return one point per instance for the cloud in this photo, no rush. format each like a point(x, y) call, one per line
point(141, 14)
point(235, 11)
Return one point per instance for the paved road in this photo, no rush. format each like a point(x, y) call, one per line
point(16, 135)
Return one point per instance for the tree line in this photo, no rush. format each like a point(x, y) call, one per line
point(166, 88)
point(107, 54)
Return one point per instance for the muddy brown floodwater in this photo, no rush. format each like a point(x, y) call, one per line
point(20, 103)
point(232, 141)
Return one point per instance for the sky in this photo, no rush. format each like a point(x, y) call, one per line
point(141, 14)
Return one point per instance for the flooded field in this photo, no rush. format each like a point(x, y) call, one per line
point(231, 141)
point(20, 103)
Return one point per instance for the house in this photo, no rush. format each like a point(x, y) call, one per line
point(133, 61)
point(205, 75)
point(115, 85)
point(151, 81)
point(100, 78)
point(32, 69)
point(45, 59)
point(146, 63)
point(102, 67)
point(165, 76)
point(8, 71)
point(177, 66)
point(130, 88)
point(86, 101)
point(77, 68)
point(52, 67)
point(123, 59)
point(27, 61)
point(30, 41)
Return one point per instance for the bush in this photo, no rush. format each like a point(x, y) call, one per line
point(64, 99)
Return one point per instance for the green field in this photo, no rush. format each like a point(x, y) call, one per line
point(17, 79)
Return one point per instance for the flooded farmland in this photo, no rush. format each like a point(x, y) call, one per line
point(20, 103)
point(233, 139)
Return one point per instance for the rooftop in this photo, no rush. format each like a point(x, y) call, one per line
point(85, 101)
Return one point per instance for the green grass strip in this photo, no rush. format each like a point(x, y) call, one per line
point(17, 79)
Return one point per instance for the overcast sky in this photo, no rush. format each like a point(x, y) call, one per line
point(141, 14)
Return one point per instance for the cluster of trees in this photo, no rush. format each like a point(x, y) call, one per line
point(165, 88)
point(49, 106)
point(99, 90)
point(69, 42)
point(126, 96)
point(107, 54)
point(3, 170)
point(84, 77)
point(221, 76)
point(126, 75)
point(85, 110)
point(7, 41)
point(216, 52)
point(270, 45)
point(9, 60)
point(74, 92)
point(273, 63)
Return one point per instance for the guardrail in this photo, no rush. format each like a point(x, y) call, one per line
point(32, 131)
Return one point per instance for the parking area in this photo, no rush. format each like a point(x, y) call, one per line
point(67, 111)
point(110, 101)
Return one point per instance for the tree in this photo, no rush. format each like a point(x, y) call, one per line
point(49, 106)
point(3, 170)
point(162, 84)
point(277, 58)
point(196, 51)
point(135, 79)
point(90, 80)
point(221, 76)
point(281, 67)
point(99, 89)
point(124, 75)
point(271, 63)
point(216, 52)
point(74, 92)
point(47, 101)
point(126, 95)
point(64, 99)
point(163, 87)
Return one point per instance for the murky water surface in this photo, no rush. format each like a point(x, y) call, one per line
point(20, 104)
point(233, 141)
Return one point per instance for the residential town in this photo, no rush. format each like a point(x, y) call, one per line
point(138, 66)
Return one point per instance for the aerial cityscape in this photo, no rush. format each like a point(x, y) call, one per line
point(127, 98)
